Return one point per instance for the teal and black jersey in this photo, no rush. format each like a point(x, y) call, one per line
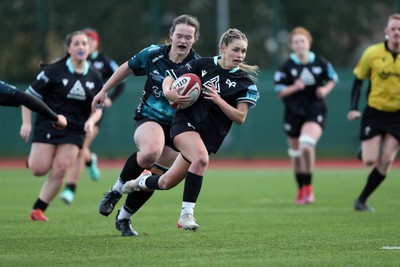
point(153, 61)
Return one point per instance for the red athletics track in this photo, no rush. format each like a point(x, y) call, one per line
point(224, 163)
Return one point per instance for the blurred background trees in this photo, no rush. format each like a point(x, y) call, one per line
point(35, 30)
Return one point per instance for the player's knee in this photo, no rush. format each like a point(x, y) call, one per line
point(385, 162)
point(369, 160)
point(150, 156)
point(199, 164)
point(166, 185)
point(38, 170)
point(168, 182)
point(61, 167)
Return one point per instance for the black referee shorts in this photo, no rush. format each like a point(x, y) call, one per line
point(375, 122)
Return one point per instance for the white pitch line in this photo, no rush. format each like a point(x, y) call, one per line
point(388, 247)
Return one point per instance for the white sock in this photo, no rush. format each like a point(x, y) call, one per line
point(123, 214)
point(187, 207)
point(118, 186)
point(142, 182)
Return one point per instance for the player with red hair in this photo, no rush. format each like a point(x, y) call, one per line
point(303, 82)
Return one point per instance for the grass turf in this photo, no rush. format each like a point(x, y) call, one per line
point(247, 217)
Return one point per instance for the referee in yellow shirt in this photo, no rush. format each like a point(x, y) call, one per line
point(380, 124)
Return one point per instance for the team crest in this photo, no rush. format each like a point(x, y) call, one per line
point(307, 77)
point(77, 92)
point(230, 84)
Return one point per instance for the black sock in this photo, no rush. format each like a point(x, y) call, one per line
point(375, 178)
point(152, 182)
point(192, 187)
point(40, 204)
point(299, 179)
point(131, 169)
point(307, 178)
point(88, 163)
point(136, 200)
point(71, 187)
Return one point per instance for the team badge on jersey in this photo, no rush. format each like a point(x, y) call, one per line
point(77, 92)
point(307, 77)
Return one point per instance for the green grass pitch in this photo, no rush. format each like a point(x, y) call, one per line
point(247, 217)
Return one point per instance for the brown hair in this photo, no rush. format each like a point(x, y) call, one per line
point(189, 20)
point(234, 34)
point(67, 43)
point(300, 30)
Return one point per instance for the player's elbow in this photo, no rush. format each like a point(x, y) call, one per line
point(240, 120)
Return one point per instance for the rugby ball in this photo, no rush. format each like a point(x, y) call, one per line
point(191, 86)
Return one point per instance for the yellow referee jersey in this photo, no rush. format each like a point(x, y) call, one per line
point(383, 70)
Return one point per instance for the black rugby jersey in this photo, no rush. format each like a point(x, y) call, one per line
point(67, 93)
point(314, 74)
point(234, 86)
point(153, 61)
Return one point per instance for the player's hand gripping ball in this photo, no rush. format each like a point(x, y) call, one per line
point(191, 86)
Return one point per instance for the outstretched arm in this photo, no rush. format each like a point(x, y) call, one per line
point(36, 105)
point(117, 91)
point(119, 75)
point(11, 96)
